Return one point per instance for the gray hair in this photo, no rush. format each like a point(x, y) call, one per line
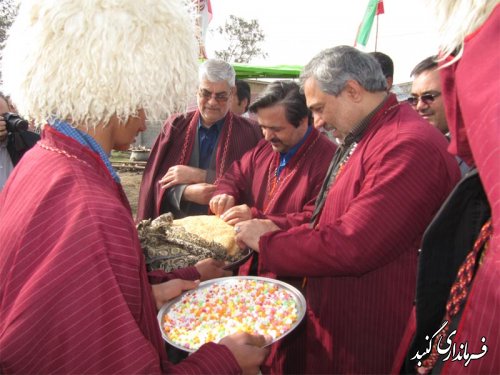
point(216, 71)
point(333, 67)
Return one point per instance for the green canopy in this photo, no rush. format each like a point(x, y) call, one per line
point(244, 71)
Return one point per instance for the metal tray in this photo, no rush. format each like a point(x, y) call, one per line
point(244, 255)
point(296, 294)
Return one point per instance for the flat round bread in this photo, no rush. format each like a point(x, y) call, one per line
point(212, 229)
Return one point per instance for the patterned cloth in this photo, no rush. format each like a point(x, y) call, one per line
point(87, 141)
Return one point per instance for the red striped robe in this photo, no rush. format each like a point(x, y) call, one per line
point(360, 260)
point(74, 292)
point(249, 181)
point(168, 151)
point(470, 91)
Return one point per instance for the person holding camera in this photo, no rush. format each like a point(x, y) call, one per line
point(15, 139)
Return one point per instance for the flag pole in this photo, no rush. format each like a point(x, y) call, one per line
point(376, 33)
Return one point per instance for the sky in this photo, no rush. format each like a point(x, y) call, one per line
point(295, 31)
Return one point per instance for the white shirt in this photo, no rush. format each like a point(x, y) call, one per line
point(6, 165)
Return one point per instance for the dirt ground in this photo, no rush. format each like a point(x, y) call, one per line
point(131, 182)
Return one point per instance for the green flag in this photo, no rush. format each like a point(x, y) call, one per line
point(366, 26)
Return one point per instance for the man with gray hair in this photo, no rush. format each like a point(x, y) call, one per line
point(358, 255)
point(195, 149)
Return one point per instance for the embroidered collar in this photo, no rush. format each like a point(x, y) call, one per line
point(86, 140)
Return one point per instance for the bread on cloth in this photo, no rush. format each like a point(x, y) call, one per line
point(212, 229)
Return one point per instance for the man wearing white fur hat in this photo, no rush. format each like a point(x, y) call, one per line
point(75, 296)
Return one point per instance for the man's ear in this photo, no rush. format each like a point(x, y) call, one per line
point(246, 103)
point(305, 121)
point(353, 90)
point(389, 82)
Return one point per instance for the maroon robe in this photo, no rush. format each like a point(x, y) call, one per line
point(360, 259)
point(470, 91)
point(74, 291)
point(250, 182)
point(252, 179)
point(174, 146)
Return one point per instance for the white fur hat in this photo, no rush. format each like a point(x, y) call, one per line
point(85, 60)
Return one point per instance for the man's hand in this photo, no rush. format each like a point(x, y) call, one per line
point(211, 269)
point(198, 193)
point(249, 232)
point(237, 214)
point(248, 350)
point(182, 174)
point(164, 292)
point(221, 203)
point(3, 129)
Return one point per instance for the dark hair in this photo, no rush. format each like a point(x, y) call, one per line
point(243, 92)
point(429, 63)
point(287, 94)
point(385, 62)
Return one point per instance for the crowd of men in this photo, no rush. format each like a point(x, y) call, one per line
point(391, 231)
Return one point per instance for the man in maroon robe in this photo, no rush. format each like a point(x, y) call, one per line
point(278, 180)
point(75, 297)
point(359, 254)
point(470, 219)
point(194, 150)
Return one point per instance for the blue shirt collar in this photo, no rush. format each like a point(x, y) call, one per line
point(87, 141)
point(287, 156)
point(218, 125)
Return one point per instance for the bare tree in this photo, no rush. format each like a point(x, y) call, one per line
point(8, 11)
point(243, 39)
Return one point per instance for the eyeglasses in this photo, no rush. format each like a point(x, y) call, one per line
point(426, 98)
point(221, 97)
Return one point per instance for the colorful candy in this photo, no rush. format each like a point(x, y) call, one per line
point(220, 309)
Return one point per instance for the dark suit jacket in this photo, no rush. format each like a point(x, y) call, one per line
point(19, 142)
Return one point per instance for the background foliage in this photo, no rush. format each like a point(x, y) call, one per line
point(243, 40)
point(8, 11)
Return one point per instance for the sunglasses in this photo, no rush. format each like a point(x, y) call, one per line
point(426, 98)
point(219, 96)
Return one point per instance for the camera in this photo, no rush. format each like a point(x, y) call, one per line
point(14, 122)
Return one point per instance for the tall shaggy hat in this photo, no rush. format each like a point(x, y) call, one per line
point(86, 60)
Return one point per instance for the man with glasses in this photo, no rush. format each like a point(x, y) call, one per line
point(426, 98)
point(196, 148)
point(425, 94)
